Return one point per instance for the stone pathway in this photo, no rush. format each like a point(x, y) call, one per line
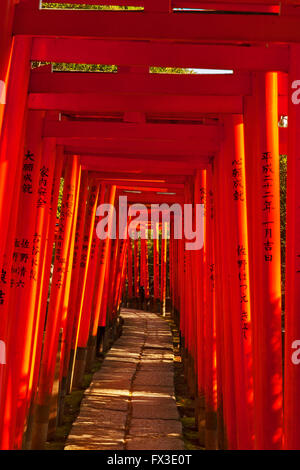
point(130, 404)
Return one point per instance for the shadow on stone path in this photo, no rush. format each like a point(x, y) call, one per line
point(130, 404)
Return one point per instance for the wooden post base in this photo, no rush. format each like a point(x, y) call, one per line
point(40, 426)
point(79, 367)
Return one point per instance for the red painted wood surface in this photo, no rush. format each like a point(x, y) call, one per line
point(155, 138)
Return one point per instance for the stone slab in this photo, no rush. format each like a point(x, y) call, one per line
point(137, 443)
point(88, 418)
point(105, 402)
point(154, 378)
point(155, 427)
point(153, 411)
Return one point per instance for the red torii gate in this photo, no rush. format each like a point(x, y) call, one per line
point(212, 140)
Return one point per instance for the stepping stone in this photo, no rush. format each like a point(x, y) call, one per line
point(154, 378)
point(154, 353)
point(142, 443)
point(120, 352)
point(157, 367)
point(155, 427)
point(153, 411)
point(113, 392)
point(89, 419)
point(160, 392)
point(112, 361)
point(111, 440)
point(119, 384)
point(105, 402)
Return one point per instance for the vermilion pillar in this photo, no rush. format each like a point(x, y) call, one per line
point(103, 260)
point(171, 268)
point(200, 198)
point(6, 21)
point(147, 287)
point(182, 269)
point(48, 189)
point(142, 283)
point(49, 169)
point(72, 312)
point(268, 333)
point(189, 304)
point(54, 311)
point(34, 289)
point(136, 270)
point(45, 268)
point(19, 343)
point(163, 269)
point(56, 409)
point(116, 254)
point(200, 291)
point(119, 274)
point(210, 373)
point(44, 274)
point(143, 265)
point(59, 361)
point(223, 315)
point(176, 274)
point(92, 280)
point(240, 304)
point(292, 289)
point(121, 286)
point(129, 273)
point(156, 271)
point(105, 312)
point(11, 137)
point(262, 179)
point(84, 321)
point(218, 302)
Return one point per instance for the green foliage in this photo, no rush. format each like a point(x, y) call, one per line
point(173, 70)
point(74, 6)
point(60, 196)
point(69, 67)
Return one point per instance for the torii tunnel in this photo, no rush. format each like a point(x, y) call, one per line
point(74, 138)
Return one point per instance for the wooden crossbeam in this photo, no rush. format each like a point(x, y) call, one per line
point(143, 186)
point(192, 84)
point(137, 177)
point(140, 187)
point(171, 105)
point(152, 198)
point(261, 7)
point(129, 131)
point(139, 166)
point(135, 148)
point(97, 103)
point(136, 25)
point(187, 3)
point(98, 51)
